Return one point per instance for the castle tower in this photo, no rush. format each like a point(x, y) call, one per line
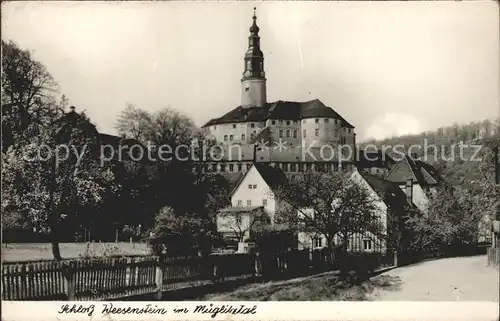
point(253, 83)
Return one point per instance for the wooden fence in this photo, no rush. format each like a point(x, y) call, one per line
point(120, 277)
point(110, 278)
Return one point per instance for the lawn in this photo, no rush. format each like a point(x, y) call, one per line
point(321, 287)
point(43, 251)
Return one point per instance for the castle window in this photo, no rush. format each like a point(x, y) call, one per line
point(240, 167)
point(281, 121)
point(225, 138)
point(261, 65)
point(316, 132)
point(273, 122)
point(234, 125)
point(242, 136)
point(288, 122)
point(281, 133)
point(288, 133)
point(252, 125)
point(295, 133)
point(214, 168)
point(326, 120)
point(222, 167)
point(231, 137)
point(231, 167)
point(316, 120)
point(304, 133)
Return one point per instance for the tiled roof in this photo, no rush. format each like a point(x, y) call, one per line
point(416, 170)
point(273, 176)
point(388, 191)
point(287, 110)
point(368, 159)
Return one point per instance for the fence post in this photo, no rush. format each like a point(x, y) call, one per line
point(159, 279)
point(70, 280)
point(258, 264)
point(395, 258)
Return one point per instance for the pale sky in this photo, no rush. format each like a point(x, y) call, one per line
point(387, 67)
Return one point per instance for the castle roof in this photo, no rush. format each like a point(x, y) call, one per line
point(286, 110)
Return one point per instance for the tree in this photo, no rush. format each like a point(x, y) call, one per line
point(181, 234)
point(27, 95)
point(329, 204)
point(47, 186)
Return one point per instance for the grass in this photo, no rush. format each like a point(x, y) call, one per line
point(323, 287)
point(43, 251)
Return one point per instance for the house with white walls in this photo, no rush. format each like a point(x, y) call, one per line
point(390, 202)
point(254, 193)
point(416, 178)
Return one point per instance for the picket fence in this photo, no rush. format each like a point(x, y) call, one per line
point(119, 277)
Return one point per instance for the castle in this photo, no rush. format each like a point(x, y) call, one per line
point(294, 136)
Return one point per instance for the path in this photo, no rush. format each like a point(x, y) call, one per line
point(450, 279)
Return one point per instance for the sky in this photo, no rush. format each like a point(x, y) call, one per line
point(389, 68)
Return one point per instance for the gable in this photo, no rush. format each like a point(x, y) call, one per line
point(251, 177)
point(401, 172)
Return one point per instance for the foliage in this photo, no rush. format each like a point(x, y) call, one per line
point(329, 204)
point(243, 223)
point(176, 235)
point(452, 220)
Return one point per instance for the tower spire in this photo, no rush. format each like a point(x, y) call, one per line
point(254, 77)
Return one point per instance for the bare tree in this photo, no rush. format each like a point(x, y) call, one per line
point(242, 223)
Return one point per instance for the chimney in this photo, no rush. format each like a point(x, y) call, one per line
point(409, 190)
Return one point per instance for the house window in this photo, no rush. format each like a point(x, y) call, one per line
point(234, 125)
point(295, 133)
point(317, 242)
point(252, 125)
point(222, 167)
point(288, 122)
point(240, 203)
point(273, 122)
point(326, 120)
point(304, 133)
point(316, 121)
point(316, 132)
point(231, 137)
point(214, 168)
point(231, 167)
point(367, 245)
point(225, 138)
point(249, 202)
point(264, 202)
point(255, 186)
point(247, 88)
point(250, 186)
point(242, 136)
point(288, 133)
point(281, 133)
point(240, 167)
